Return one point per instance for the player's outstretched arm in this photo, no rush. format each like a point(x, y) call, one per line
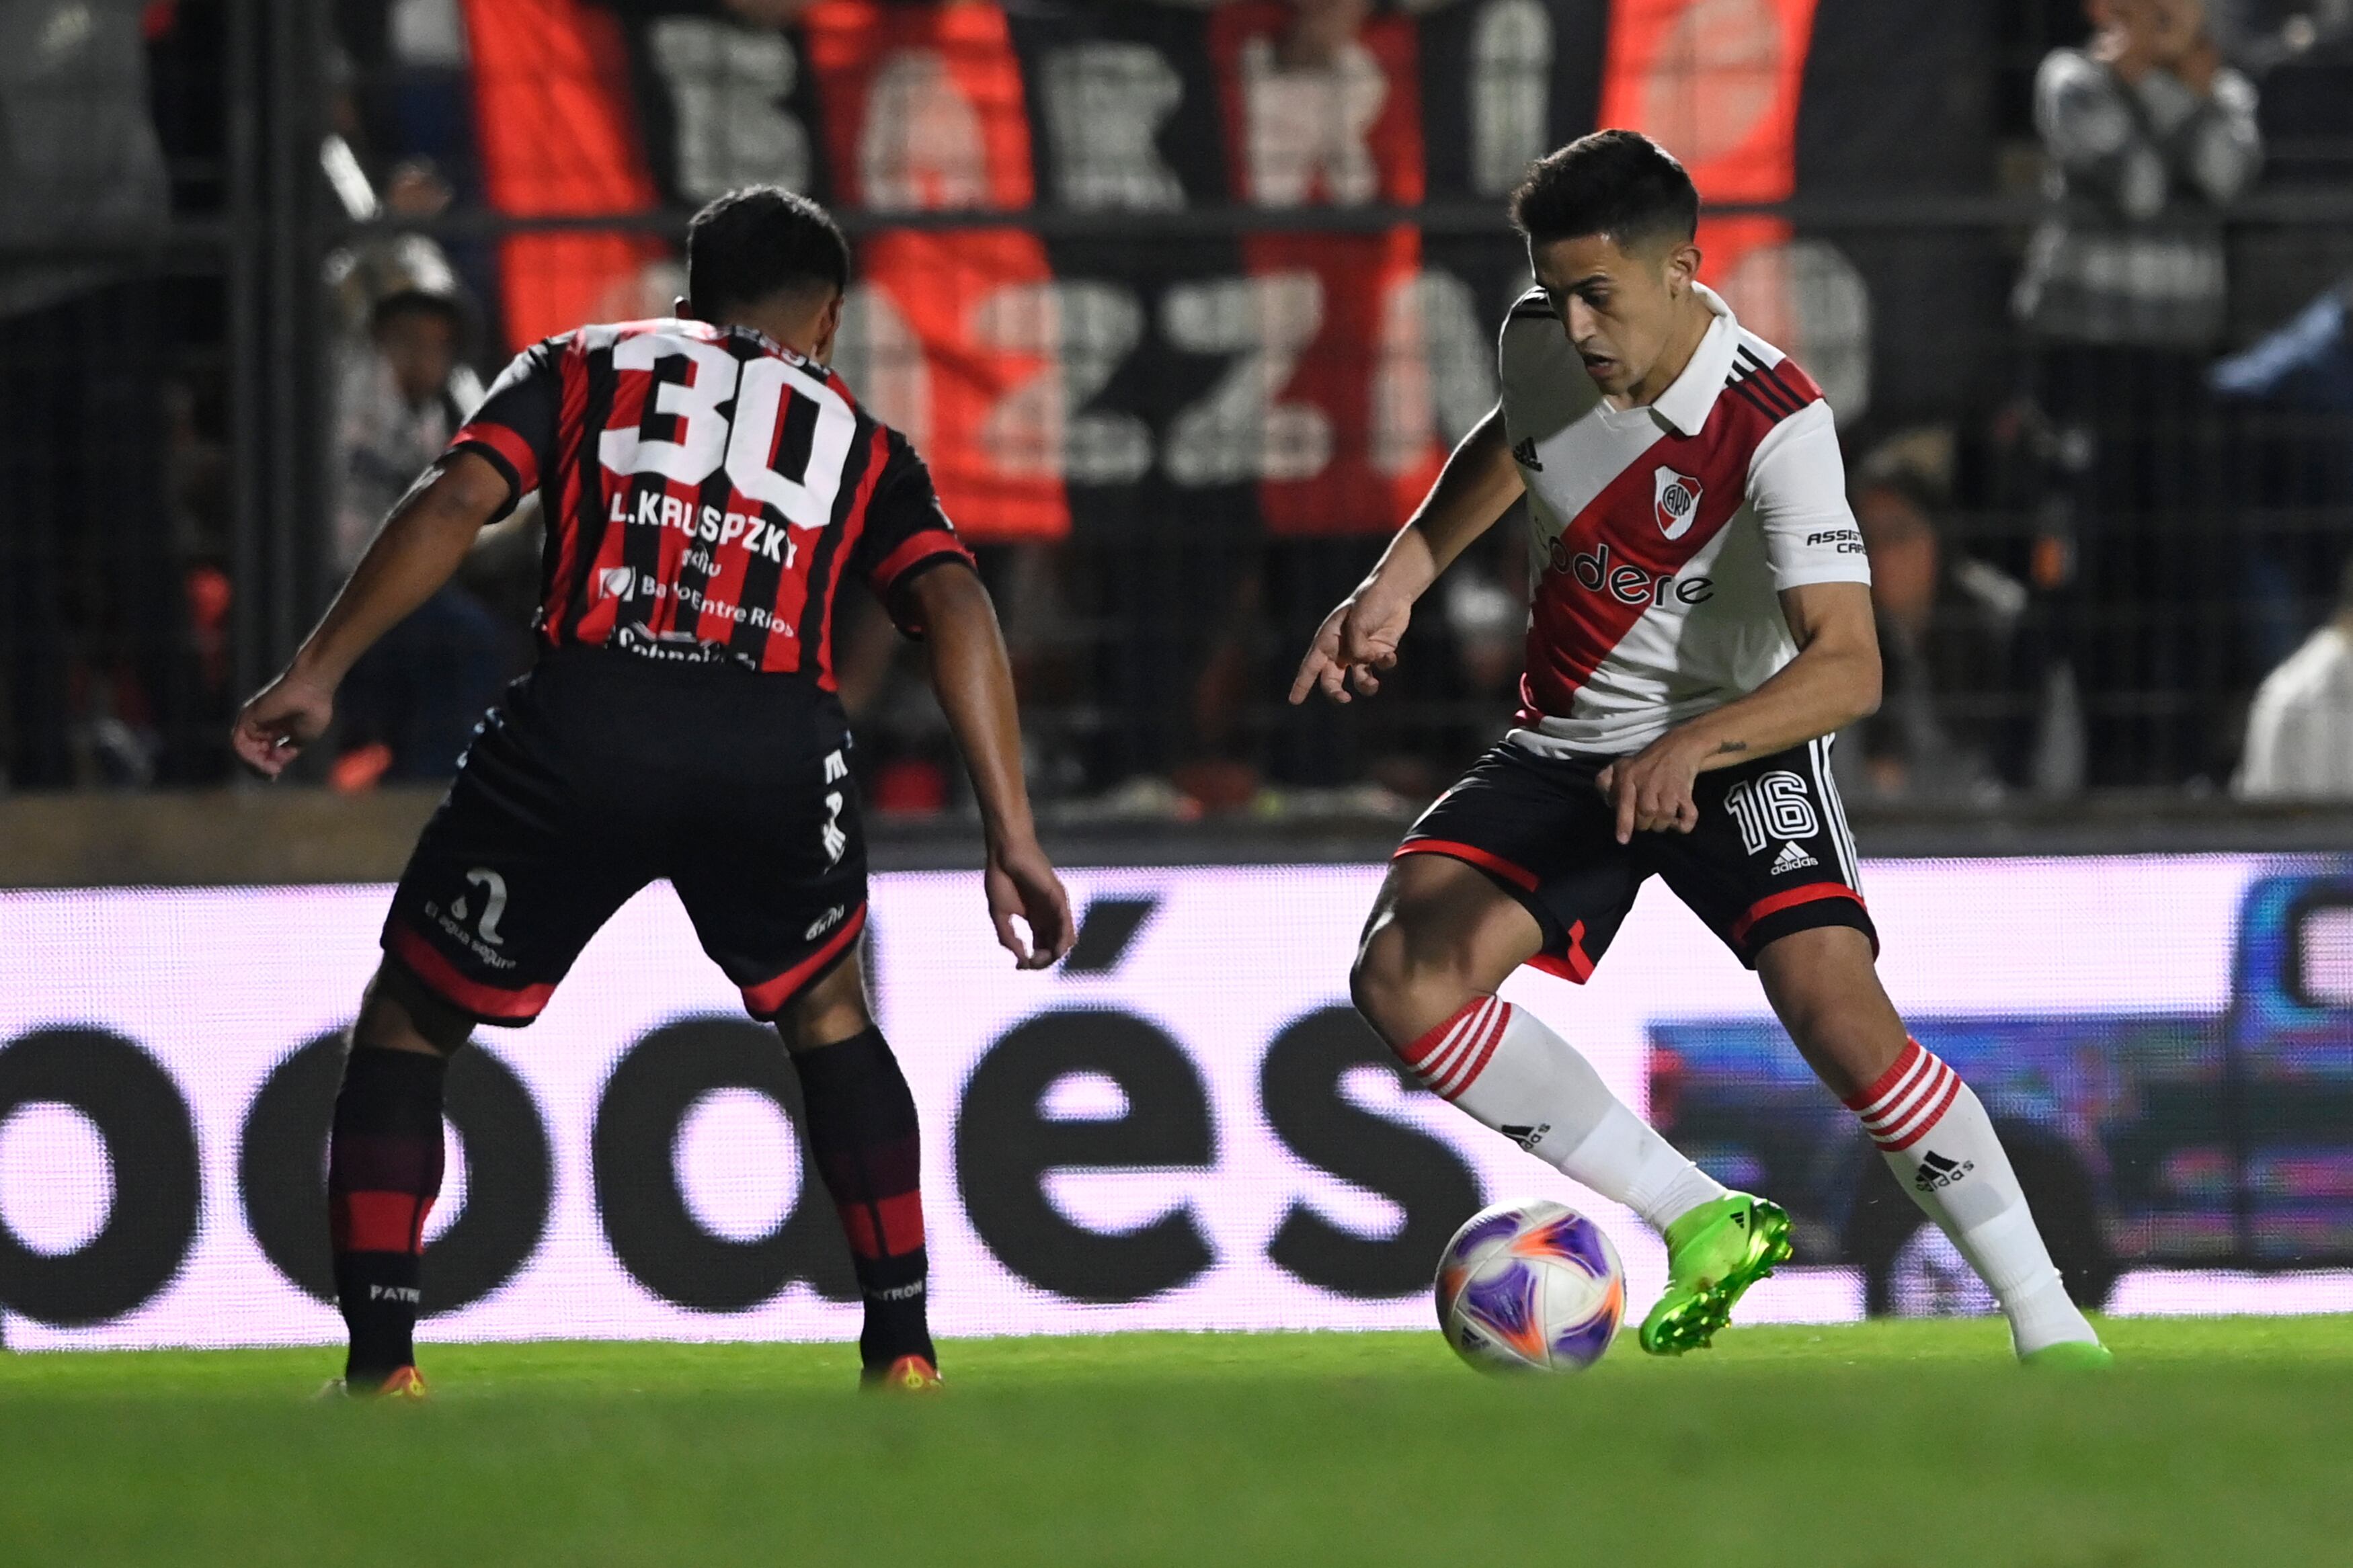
point(421, 544)
point(974, 683)
point(1359, 640)
point(1832, 683)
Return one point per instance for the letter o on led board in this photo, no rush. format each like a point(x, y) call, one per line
point(150, 1144)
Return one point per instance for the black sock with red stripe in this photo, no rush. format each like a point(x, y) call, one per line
point(861, 1127)
point(383, 1170)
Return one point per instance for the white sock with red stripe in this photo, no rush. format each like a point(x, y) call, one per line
point(1941, 1144)
point(1503, 1066)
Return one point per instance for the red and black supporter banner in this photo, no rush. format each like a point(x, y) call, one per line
point(1113, 365)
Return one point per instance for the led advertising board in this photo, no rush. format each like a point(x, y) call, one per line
point(1185, 1130)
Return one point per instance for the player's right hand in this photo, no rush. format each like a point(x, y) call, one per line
point(1021, 880)
point(1355, 644)
point(288, 714)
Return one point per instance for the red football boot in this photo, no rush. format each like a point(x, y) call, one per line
point(908, 1375)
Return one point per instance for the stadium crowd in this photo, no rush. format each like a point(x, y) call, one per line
point(2105, 532)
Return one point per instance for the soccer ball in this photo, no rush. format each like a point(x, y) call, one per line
point(1530, 1287)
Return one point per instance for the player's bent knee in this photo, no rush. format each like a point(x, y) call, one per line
point(397, 1013)
point(1376, 977)
point(1821, 972)
point(1441, 933)
point(1825, 989)
point(831, 1010)
point(1406, 978)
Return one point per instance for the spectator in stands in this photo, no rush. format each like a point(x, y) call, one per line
point(410, 705)
point(385, 261)
point(2291, 468)
point(2147, 135)
point(1958, 643)
point(2300, 731)
point(87, 580)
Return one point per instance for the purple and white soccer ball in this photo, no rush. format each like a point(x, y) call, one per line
point(1530, 1287)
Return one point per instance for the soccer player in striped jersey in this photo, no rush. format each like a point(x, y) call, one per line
point(709, 487)
point(1700, 625)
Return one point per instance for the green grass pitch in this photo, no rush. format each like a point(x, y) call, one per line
point(1881, 1446)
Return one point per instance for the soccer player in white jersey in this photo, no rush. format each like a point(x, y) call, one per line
point(1699, 625)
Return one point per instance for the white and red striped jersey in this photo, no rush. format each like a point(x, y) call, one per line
point(1663, 535)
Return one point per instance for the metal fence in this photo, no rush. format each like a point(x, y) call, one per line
point(2088, 555)
point(160, 380)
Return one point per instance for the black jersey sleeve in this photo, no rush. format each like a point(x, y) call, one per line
point(516, 427)
point(907, 532)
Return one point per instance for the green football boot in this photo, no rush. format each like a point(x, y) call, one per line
point(1714, 1254)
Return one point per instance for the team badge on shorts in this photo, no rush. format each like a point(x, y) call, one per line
point(1676, 498)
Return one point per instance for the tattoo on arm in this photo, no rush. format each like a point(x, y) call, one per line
point(1728, 747)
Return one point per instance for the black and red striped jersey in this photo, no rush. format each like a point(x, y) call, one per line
point(707, 491)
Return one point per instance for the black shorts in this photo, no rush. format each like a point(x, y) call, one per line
point(1771, 853)
point(599, 773)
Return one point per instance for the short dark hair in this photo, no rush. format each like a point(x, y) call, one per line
point(1615, 183)
point(759, 241)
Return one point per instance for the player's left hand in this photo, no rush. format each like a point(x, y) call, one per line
point(1021, 880)
point(1652, 788)
point(290, 713)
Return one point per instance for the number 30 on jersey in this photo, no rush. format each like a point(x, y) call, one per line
point(746, 443)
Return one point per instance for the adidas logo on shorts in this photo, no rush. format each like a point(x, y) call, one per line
point(1791, 859)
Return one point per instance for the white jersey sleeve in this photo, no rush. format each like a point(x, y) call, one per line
point(1797, 487)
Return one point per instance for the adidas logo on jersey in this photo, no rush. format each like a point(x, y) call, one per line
point(1936, 1171)
point(1525, 454)
point(1791, 859)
